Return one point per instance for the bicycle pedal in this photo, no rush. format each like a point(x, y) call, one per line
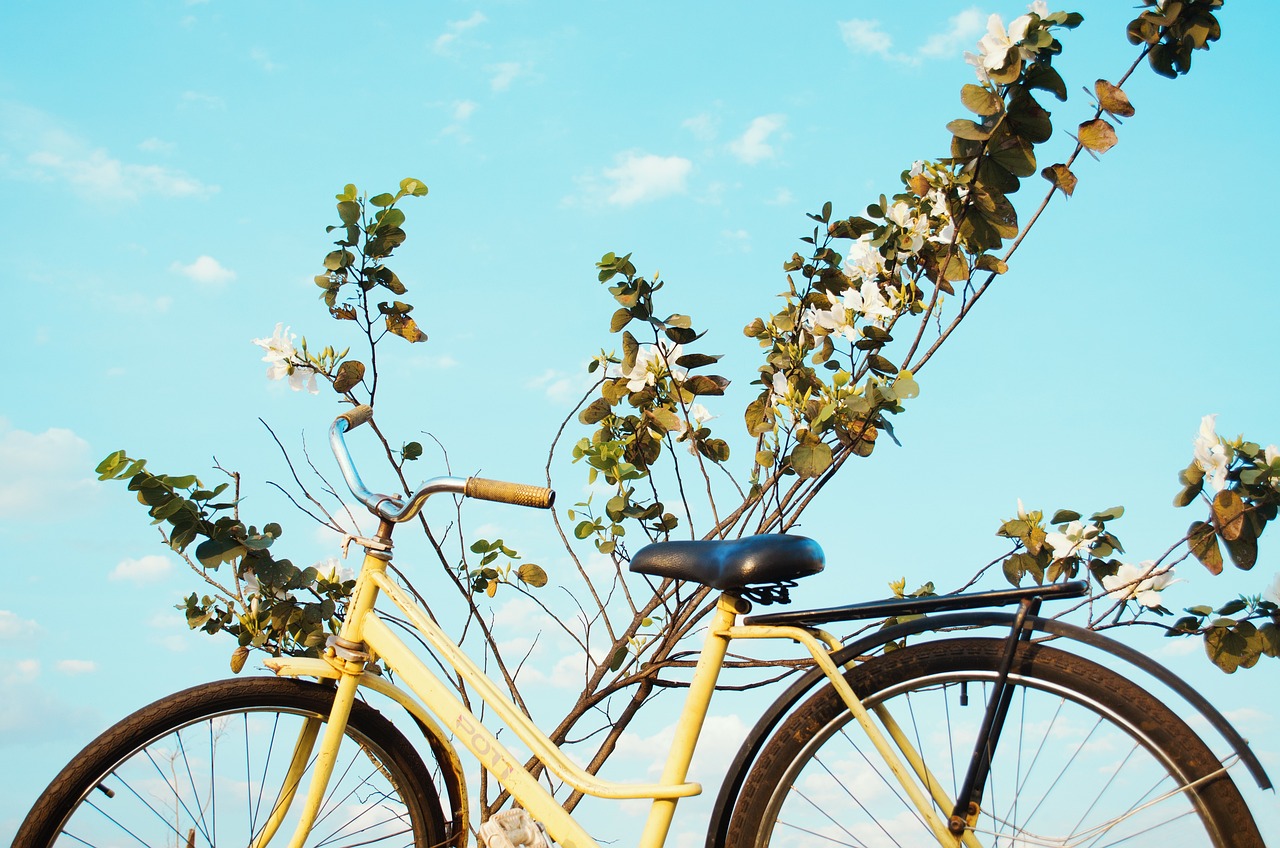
point(512, 829)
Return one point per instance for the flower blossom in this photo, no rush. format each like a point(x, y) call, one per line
point(1074, 540)
point(1212, 456)
point(864, 262)
point(1272, 592)
point(1138, 583)
point(282, 361)
point(994, 47)
point(652, 361)
point(912, 228)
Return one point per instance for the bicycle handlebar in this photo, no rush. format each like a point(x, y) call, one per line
point(393, 508)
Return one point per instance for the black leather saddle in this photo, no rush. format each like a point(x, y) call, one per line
point(772, 562)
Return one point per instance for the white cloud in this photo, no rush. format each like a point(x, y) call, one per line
point(264, 60)
point(559, 386)
point(782, 198)
point(151, 568)
point(206, 271)
point(76, 666)
point(201, 100)
point(29, 713)
point(44, 473)
point(156, 145)
point(965, 28)
point(753, 145)
point(739, 240)
point(504, 74)
point(641, 177)
point(456, 28)
point(35, 146)
point(14, 628)
point(866, 36)
point(702, 126)
point(463, 110)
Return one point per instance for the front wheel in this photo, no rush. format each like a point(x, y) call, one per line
point(212, 765)
point(1086, 758)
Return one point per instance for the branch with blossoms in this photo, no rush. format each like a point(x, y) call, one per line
point(1239, 482)
point(871, 300)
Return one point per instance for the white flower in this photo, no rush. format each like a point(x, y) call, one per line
point(1272, 592)
point(1211, 455)
point(1137, 582)
point(864, 262)
point(1074, 540)
point(874, 305)
point(334, 571)
point(912, 227)
point(979, 68)
point(652, 361)
point(1270, 455)
point(1039, 8)
point(282, 361)
point(994, 47)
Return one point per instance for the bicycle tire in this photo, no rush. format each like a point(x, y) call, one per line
point(1115, 780)
point(206, 765)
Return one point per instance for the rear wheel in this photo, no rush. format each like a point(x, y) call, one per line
point(1086, 758)
point(206, 767)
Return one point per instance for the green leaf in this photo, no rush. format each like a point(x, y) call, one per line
point(411, 451)
point(1109, 514)
point(596, 412)
point(966, 129)
point(349, 212)
point(382, 200)
point(811, 460)
point(1203, 542)
point(980, 101)
point(532, 575)
point(706, 385)
point(584, 529)
point(618, 658)
point(412, 187)
point(1243, 550)
point(389, 218)
point(1064, 516)
point(620, 319)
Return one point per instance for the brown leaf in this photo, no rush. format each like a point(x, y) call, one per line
point(1112, 99)
point(1229, 510)
point(405, 327)
point(1203, 542)
point(1061, 177)
point(1097, 135)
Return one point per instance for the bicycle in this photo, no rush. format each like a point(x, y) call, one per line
point(868, 747)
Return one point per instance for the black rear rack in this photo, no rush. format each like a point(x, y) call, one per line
point(920, 606)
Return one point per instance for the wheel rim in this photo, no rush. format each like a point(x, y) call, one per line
point(1104, 783)
point(216, 779)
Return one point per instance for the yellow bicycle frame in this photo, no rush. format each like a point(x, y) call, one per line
point(432, 697)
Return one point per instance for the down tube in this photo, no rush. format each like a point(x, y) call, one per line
point(474, 736)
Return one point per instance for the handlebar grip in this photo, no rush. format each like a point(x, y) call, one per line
point(357, 416)
point(511, 493)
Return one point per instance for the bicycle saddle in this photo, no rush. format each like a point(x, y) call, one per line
point(732, 564)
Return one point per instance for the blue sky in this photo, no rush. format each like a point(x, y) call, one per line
point(170, 168)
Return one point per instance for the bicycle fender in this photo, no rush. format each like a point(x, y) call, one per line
point(445, 754)
point(810, 680)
